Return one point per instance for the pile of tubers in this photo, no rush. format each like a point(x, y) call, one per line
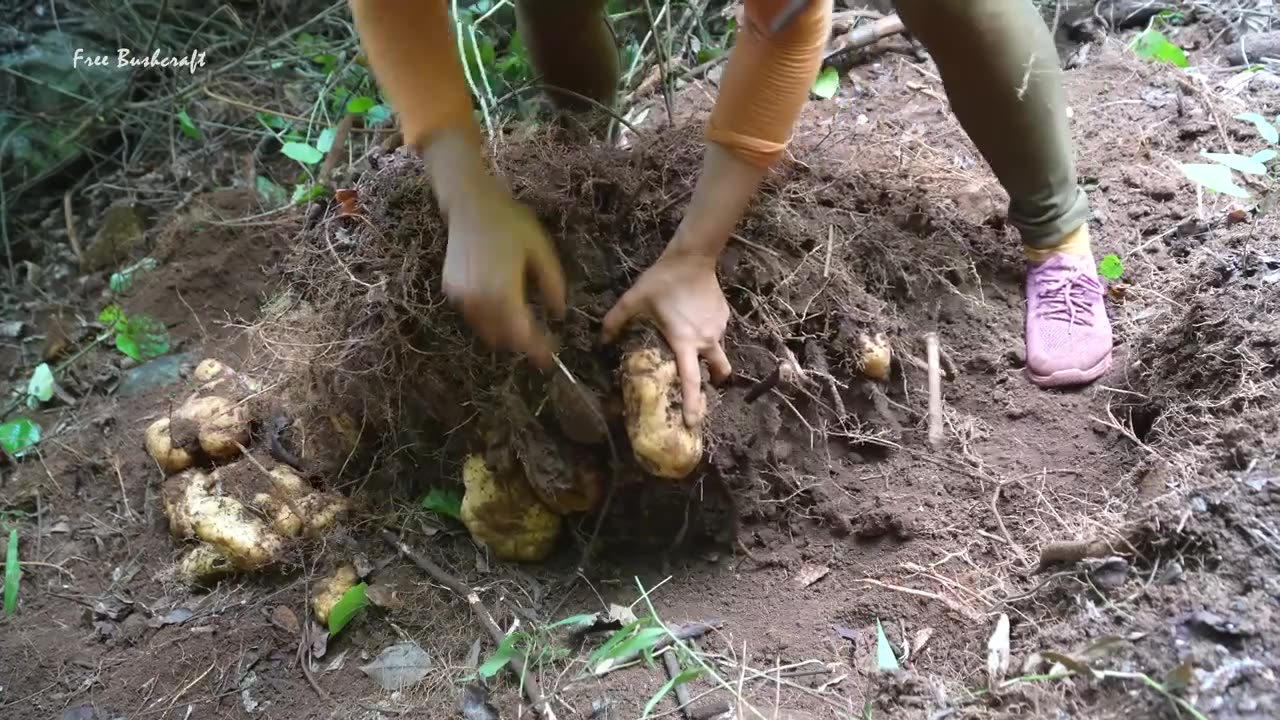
point(235, 529)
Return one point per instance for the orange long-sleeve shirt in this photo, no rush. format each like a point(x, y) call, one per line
point(414, 56)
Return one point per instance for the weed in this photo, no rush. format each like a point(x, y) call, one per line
point(19, 435)
point(140, 337)
point(12, 574)
point(1111, 267)
point(447, 503)
point(1216, 176)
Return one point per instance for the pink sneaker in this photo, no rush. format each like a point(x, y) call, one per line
point(1068, 333)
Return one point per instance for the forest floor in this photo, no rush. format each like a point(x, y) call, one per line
point(1128, 531)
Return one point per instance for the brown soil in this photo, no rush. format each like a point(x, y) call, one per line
point(884, 220)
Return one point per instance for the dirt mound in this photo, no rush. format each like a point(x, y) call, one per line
point(820, 263)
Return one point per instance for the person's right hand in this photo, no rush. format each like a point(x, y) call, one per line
point(495, 244)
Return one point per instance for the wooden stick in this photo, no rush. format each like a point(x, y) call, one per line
point(684, 699)
point(70, 219)
point(866, 35)
point(531, 686)
point(935, 390)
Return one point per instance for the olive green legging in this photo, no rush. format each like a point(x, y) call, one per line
point(998, 63)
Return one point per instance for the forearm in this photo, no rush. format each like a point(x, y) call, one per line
point(725, 186)
point(413, 54)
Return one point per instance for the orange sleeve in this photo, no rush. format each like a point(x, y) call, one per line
point(414, 57)
point(767, 80)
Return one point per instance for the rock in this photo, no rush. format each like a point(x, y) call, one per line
point(157, 373)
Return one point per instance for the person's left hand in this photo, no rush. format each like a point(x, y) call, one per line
point(681, 295)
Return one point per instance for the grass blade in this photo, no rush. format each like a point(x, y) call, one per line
point(12, 574)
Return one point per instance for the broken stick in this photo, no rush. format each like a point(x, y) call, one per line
point(685, 701)
point(531, 686)
point(935, 390)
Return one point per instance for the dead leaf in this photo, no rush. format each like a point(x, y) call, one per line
point(384, 596)
point(284, 618)
point(348, 201)
point(475, 703)
point(176, 616)
point(398, 666)
point(998, 651)
point(810, 574)
point(1237, 216)
point(846, 633)
point(921, 638)
point(1179, 677)
point(1075, 665)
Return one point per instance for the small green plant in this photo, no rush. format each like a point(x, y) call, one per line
point(122, 281)
point(827, 83)
point(40, 387)
point(1216, 176)
point(188, 126)
point(12, 574)
point(352, 602)
point(1152, 44)
point(447, 503)
point(139, 337)
point(1111, 267)
point(19, 435)
point(886, 659)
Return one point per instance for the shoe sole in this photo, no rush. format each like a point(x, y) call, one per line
point(1072, 376)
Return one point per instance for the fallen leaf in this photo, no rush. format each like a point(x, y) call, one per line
point(348, 202)
point(920, 640)
point(810, 574)
point(998, 651)
point(176, 616)
point(475, 703)
point(337, 663)
point(1237, 216)
point(886, 660)
point(319, 639)
point(285, 618)
point(1179, 677)
point(384, 597)
point(398, 666)
point(846, 633)
point(1075, 665)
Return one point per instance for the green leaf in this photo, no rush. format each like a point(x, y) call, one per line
point(12, 574)
point(378, 114)
point(1239, 163)
point(271, 191)
point(444, 502)
point(123, 280)
point(642, 641)
point(687, 676)
point(1111, 267)
point(506, 650)
point(584, 620)
point(327, 61)
point(307, 192)
point(187, 125)
point(827, 84)
point(113, 317)
point(18, 435)
point(1265, 128)
point(1153, 45)
point(272, 121)
point(352, 602)
point(143, 338)
point(302, 152)
point(360, 104)
point(324, 143)
point(1264, 156)
point(40, 388)
point(1213, 177)
point(886, 660)
point(617, 638)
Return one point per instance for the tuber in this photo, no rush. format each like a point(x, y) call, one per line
point(208, 370)
point(503, 513)
point(331, 590)
point(204, 565)
point(577, 410)
point(875, 356)
point(160, 447)
point(222, 522)
point(660, 440)
point(220, 425)
point(295, 507)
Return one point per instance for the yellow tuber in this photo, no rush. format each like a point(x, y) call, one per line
point(331, 590)
point(875, 356)
point(222, 522)
point(204, 565)
point(219, 425)
point(160, 447)
point(503, 513)
point(208, 370)
point(660, 440)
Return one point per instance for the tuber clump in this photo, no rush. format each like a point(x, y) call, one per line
point(503, 513)
point(223, 522)
point(663, 445)
point(204, 565)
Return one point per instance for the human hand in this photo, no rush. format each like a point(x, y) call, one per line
point(681, 295)
point(495, 243)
